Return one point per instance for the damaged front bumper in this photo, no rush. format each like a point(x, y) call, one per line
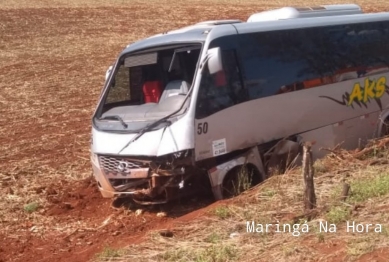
point(147, 181)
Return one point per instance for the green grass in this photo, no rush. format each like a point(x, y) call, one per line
point(357, 248)
point(268, 192)
point(287, 251)
point(31, 207)
point(320, 167)
point(214, 253)
point(362, 190)
point(385, 231)
point(222, 212)
point(109, 253)
point(337, 214)
point(241, 179)
point(376, 152)
point(213, 238)
point(320, 237)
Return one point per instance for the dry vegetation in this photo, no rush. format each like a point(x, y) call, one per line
point(221, 233)
point(53, 57)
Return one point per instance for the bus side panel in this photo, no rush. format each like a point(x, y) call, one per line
point(274, 117)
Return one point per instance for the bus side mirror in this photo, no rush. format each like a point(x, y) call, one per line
point(215, 60)
point(108, 72)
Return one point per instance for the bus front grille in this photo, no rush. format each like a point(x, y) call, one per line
point(113, 164)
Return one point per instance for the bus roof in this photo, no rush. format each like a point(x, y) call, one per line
point(305, 12)
point(195, 35)
point(190, 34)
point(199, 32)
point(285, 24)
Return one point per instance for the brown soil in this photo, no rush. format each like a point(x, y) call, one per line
point(106, 225)
point(378, 255)
point(52, 66)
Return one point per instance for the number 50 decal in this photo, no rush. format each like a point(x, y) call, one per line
point(202, 128)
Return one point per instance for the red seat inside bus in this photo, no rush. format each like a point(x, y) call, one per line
point(220, 78)
point(152, 91)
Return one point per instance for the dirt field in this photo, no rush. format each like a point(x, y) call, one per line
point(53, 57)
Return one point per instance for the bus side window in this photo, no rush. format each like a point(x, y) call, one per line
point(222, 89)
point(278, 62)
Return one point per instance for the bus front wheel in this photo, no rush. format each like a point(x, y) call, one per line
point(239, 179)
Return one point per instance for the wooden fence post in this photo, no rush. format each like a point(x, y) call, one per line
point(345, 191)
point(308, 173)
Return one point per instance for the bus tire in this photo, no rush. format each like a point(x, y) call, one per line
point(239, 179)
point(385, 128)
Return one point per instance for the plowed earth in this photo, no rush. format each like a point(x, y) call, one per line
point(53, 57)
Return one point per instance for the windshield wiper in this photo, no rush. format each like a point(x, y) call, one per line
point(115, 117)
point(145, 129)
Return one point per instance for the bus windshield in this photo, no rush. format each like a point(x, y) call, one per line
point(148, 86)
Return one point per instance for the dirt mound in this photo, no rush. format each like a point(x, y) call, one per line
point(94, 223)
point(91, 223)
point(81, 199)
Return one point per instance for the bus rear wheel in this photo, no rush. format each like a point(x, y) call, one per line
point(385, 128)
